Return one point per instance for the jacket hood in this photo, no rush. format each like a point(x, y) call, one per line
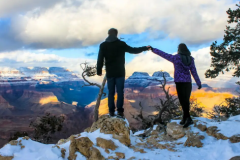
point(185, 57)
point(111, 38)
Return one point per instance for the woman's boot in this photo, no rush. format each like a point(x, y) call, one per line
point(188, 122)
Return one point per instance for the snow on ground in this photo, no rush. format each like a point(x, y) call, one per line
point(212, 149)
point(228, 128)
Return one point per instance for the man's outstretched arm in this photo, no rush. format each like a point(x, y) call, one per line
point(135, 50)
point(100, 62)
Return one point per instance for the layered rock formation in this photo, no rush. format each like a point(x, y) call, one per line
point(19, 107)
point(142, 79)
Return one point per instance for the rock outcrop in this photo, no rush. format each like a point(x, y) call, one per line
point(194, 140)
point(6, 157)
point(175, 130)
point(85, 146)
point(235, 138)
point(213, 131)
point(235, 158)
point(115, 126)
point(106, 144)
point(202, 127)
point(99, 143)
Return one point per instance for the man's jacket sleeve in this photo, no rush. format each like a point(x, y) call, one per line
point(134, 50)
point(100, 61)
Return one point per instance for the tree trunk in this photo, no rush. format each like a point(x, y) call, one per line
point(99, 99)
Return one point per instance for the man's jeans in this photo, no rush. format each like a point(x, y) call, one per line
point(119, 84)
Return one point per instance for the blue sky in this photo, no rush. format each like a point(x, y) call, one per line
point(67, 32)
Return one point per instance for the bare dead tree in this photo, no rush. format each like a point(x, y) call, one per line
point(90, 71)
point(146, 122)
point(166, 105)
point(166, 108)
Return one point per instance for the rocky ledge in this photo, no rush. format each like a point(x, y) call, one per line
point(111, 138)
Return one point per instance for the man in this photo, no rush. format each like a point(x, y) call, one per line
point(112, 51)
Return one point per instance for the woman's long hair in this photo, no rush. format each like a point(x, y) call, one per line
point(182, 49)
point(185, 54)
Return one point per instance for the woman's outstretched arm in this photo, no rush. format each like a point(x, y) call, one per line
point(195, 74)
point(166, 56)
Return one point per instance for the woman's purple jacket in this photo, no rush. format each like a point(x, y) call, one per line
point(181, 71)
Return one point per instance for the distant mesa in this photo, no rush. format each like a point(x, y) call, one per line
point(140, 74)
point(42, 74)
point(143, 79)
point(160, 74)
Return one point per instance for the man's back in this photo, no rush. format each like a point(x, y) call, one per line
point(113, 51)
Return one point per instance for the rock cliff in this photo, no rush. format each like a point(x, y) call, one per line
point(111, 138)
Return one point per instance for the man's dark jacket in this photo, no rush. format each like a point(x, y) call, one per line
point(112, 51)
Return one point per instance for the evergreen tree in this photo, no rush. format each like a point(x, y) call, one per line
point(46, 126)
point(226, 56)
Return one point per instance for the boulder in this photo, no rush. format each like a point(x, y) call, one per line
point(62, 141)
point(6, 157)
point(106, 144)
point(235, 158)
point(139, 150)
point(115, 126)
point(82, 145)
point(211, 131)
point(120, 155)
point(220, 136)
point(202, 127)
point(87, 129)
point(13, 142)
point(95, 154)
point(235, 138)
point(175, 130)
point(111, 157)
point(63, 152)
point(194, 140)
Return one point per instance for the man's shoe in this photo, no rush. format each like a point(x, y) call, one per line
point(183, 121)
point(112, 114)
point(189, 122)
point(120, 115)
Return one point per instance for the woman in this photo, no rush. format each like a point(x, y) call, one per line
point(183, 64)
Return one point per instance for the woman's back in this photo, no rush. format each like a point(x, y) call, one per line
point(182, 71)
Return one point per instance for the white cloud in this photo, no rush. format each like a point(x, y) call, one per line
point(23, 58)
point(8, 8)
point(150, 62)
point(86, 23)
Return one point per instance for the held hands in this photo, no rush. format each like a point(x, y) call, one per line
point(149, 48)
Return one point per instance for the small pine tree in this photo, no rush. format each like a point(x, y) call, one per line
point(196, 108)
point(46, 126)
point(16, 135)
point(226, 56)
point(231, 107)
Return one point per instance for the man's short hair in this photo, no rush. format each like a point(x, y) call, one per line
point(113, 31)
